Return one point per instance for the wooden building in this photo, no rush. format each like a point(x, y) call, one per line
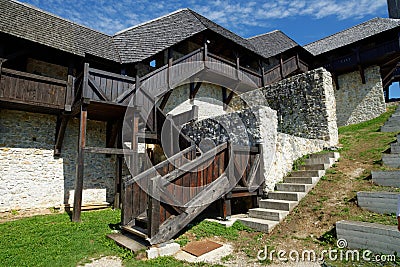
point(55, 67)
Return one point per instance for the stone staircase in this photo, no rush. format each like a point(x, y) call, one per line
point(279, 203)
point(393, 158)
point(393, 123)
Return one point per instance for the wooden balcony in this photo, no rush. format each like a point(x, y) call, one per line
point(30, 91)
point(286, 68)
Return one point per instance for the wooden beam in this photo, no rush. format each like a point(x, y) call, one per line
point(97, 89)
point(164, 101)
point(76, 215)
point(205, 52)
point(362, 74)
point(153, 209)
point(108, 150)
point(61, 126)
point(194, 89)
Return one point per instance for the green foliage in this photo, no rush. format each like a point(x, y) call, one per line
point(164, 262)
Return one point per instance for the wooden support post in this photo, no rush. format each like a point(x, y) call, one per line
point(118, 179)
point(76, 215)
point(262, 70)
point(134, 145)
point(154, 208)
point(362, 74)
point(61, 126)
point(281, 67)
point(237, 66)
point(226, 209)
point(85, 83)
point(193, 90)
point(170, 60)
point(69, 95)
point(205, 52)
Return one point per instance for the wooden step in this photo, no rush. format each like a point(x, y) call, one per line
point(136, 230)
point(129, 241)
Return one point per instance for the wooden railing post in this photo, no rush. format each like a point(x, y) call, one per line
point(69, 93)
point(85, 83)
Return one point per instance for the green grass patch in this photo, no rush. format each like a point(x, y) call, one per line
point(53, 240)
point(206, 229)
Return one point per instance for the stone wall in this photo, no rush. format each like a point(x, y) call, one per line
point(357, 102)
point(208, 99)
point(31, 177)
point(254, 126)
point(305, 105)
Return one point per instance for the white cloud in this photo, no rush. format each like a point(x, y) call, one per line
point(114, 15)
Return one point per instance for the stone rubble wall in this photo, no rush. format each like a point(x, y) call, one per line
point(31, 177)
point(357, 102)
point(254, 126)
point(305, 105)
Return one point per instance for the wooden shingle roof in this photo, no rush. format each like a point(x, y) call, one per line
point(27, 22)
point(352, 35)
point(272, 43)
point(152, 37)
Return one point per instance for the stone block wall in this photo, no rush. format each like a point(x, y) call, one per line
point(305, 105)
point(254, 126)
point(357, 102)
point(31, 177)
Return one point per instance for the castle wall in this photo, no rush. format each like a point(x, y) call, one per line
point(31, 177)
point(357, 102)
point(304, 122)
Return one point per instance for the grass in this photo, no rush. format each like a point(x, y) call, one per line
point(52, 240)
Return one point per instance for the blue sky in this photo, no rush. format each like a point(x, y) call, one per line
point(303, 20)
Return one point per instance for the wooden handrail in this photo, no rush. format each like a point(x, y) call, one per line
point(170, 177)
point(111, 74)
point(128, 180)
point(177, 61)
point(33, 76)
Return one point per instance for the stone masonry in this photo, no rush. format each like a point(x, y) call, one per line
point(357, 102)
point(31, 177)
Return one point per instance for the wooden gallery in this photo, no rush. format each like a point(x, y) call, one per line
point(89, 120)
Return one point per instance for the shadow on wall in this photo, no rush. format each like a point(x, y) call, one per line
point(357, 102)
point(30, 175)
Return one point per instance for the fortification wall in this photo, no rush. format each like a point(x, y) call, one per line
point(357, 102)
point(304, 122)
point(31, 177)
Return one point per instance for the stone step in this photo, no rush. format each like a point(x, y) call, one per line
point(317, 173)
point(389, 129)
point(372, 236)
point(328, 161)
point(379, 202)
point(273, 204)
point(301, 180)
point(395, 148)
point(386, 178)
point(314, 167)
point(334, 155)
point(283, 195)
point(268, 214)
point(261, 225)
point(290, 187)
point(391, 160)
